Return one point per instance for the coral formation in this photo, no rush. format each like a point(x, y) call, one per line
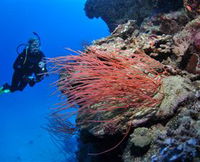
point(186, 46)
point(192, 7)
point(181, 141)
point(143, 79)
point(119, 82)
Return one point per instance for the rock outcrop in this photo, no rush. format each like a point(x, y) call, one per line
point(115, 12)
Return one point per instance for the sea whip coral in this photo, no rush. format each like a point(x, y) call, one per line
point(106, 81)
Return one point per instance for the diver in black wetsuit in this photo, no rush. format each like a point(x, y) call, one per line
point(29, 67)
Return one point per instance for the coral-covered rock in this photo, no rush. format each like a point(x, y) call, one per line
point(139, 143)
point(197, 41)
point(185, 151)
point(192, 7)
point(176, 90)
point(176, 138)
point(184, 38)
point(169, 23)
point(182, 139)
point(126, 30)
point(186, 46)
point(153, 36)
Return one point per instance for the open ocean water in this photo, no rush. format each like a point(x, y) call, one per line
point(60, 24)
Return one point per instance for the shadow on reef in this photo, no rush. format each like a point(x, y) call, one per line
point(90, 144)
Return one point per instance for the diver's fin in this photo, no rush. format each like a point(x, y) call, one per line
point(6, 90)
point(3, 90)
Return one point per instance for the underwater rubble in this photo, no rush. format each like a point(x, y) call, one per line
point(166, 130)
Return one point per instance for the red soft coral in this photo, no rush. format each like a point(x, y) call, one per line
point(109, 80)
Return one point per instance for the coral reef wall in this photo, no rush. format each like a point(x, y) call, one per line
point(167, 31)
point(136, 92)
point(115, 12)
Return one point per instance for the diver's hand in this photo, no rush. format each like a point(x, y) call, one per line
point(31, 81)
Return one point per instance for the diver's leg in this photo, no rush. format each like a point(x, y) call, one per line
point(5, 88)
point(23, 83)
point(16, 81)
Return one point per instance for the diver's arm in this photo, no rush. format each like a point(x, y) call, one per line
point(41, 71)
point(39, 76)
point(42, 63)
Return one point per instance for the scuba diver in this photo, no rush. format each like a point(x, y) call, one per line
point(29, 67)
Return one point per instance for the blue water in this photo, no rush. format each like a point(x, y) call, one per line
point(60, 24)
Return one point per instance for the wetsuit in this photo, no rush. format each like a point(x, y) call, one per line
point(29, 68)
